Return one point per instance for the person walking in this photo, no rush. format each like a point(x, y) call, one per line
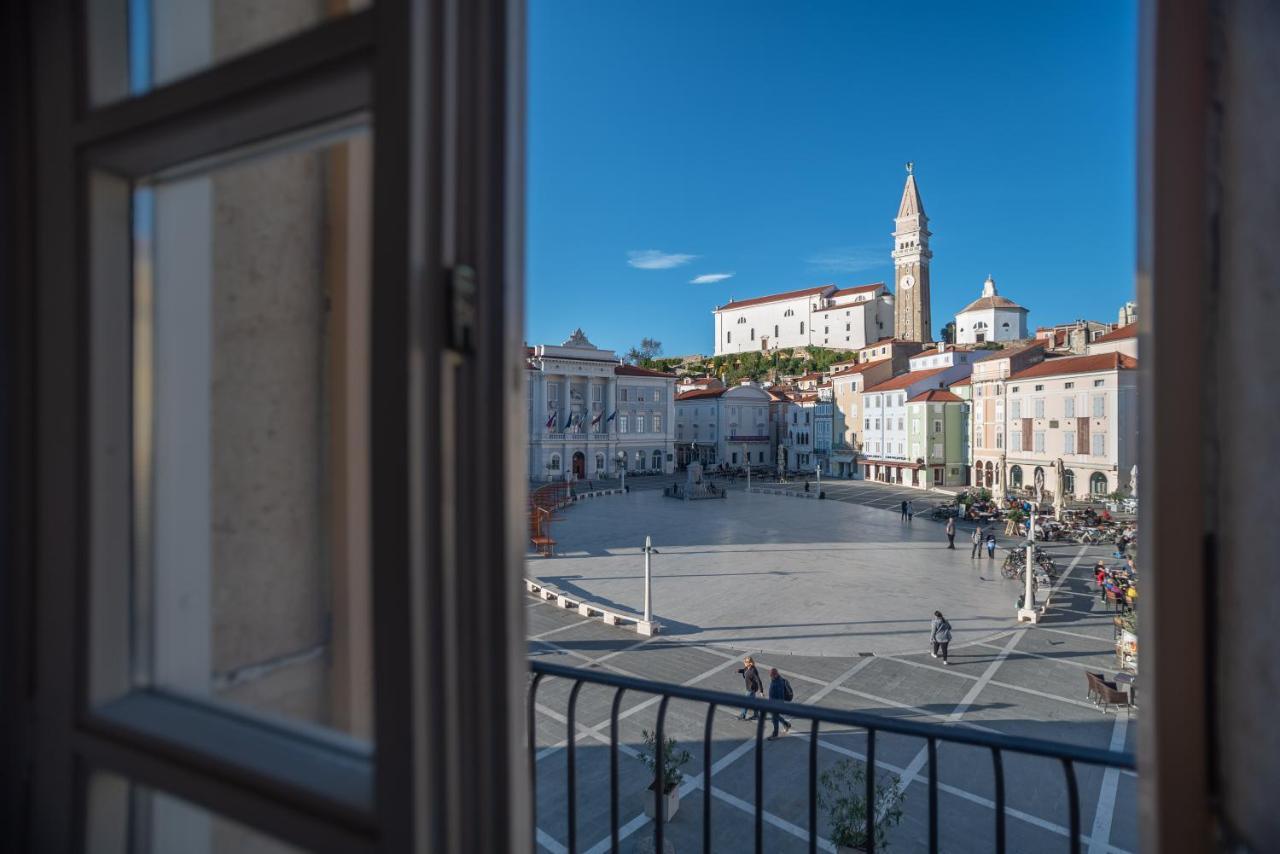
point(940, 636)
point(754, 686)
point(951, 532)
point(911, 510)
point(976, 539)
point(779, 689)
point(991, 546)
point(904, 511)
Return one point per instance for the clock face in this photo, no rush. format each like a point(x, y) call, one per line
point(908, 281)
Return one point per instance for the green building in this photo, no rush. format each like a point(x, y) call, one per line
point(938, 436)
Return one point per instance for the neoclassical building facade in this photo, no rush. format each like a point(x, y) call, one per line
point(590, 416)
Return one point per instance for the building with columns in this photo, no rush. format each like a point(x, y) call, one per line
point(590, 416)
point(911, 256)
point(991, 317)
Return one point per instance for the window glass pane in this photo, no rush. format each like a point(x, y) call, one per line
point(137, 45)
point(250, 557)
point(129, 818)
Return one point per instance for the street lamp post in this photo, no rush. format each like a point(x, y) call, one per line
point(818, 470)
point(1028, 609)
point(747, 455)
point(647, 625)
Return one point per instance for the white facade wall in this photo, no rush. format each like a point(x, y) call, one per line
point(735, 424)
point(992, 324)
point(571, 392)
point(769, 325)
point(799, 424)
point(846, 322)
point(1055, 404)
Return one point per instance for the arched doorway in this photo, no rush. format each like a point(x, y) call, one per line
point(579, 465)
point(1015, 477)
point(1098, 484)
point(990, 474)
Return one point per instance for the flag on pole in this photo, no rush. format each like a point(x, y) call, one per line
point(551, 420)
point(611, 417)
point(596, 420)
point(568, 421)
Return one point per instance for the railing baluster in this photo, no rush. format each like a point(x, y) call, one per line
point(1073, 804)
point(613, 771)
point(998, 744)
point(760, 783)
point(571, 759)
point(813, 787)
point(533, 759)
point(659, 796)
point(706, 779)
point(998, 759)
point(933, 795)
point(871, 791)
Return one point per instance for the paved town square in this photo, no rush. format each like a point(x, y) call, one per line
point(837, 594)
point(767, 573)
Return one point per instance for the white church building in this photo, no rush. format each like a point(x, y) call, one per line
point(823, 316)
point(991, 317)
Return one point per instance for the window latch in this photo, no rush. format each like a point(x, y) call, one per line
point(462, 299)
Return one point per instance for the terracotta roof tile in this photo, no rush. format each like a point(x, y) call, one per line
point(860, 289)
point(803, 292)
point(935, 395)
point(1128, 331)
point(700, 393)
point(1077, 365)
point(904, 380)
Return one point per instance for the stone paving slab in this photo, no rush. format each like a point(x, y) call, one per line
point(813, 578)
point(1020, 681)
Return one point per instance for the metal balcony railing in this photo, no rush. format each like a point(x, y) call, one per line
point(1068, 755)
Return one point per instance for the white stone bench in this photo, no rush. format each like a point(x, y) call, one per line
point(591, 610)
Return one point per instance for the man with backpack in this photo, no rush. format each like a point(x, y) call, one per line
point(779, 689)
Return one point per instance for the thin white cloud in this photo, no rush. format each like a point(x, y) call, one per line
point(853, 259)
point(656, 259)
point(710, 278)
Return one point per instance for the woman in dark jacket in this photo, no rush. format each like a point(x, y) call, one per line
point(751, 677)
point(940, 636)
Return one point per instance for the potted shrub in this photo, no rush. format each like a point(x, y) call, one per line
point(843, 796)
point(672, 761)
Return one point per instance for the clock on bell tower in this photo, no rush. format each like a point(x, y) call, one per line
point(911, 256)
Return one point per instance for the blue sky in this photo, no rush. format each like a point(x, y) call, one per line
point(766, 140)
